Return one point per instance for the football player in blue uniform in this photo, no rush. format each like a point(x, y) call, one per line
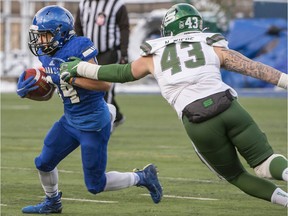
point(86, 121)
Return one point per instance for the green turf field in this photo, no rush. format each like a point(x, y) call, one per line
point(151, 133)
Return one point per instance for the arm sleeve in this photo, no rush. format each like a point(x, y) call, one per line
point(77, 25)
point(123, 23)
point(116, 73)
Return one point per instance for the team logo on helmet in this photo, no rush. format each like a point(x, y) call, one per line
point(181, 25)
point(170, 17)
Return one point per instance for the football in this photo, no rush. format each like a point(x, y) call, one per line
point(44, 89)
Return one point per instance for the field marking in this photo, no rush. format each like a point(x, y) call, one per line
point(88, 200)
point(1, 204)
point(185, 197)
point(34, 169)
point(187, 179)
point(160, 177)
point(78, 172)
point(192, 198)
point(16, 107)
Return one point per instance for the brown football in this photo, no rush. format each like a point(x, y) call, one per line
point(44, 87)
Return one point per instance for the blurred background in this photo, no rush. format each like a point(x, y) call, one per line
point(256, 28)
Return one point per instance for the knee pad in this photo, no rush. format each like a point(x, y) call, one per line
point(263, 169)
point(94, 191)
point(40, 165)
point(95, 186)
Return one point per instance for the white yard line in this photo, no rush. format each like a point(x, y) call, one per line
point(16, 107)
point(88, 200)
point(187, 179)
point(185, 197)
point(34, 169)
point(192, 198)
point(165, 178)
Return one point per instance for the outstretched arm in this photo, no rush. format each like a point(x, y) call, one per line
point(235, 61)
point(93, 85)
point(90, 84)
point(111, 73)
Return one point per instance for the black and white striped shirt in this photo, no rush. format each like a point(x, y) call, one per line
point(105, 22)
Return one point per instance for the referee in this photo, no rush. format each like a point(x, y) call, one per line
point(106, 23)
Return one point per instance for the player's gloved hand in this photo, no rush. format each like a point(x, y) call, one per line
point(123, 60)
point(25, 86)
point(69, 69)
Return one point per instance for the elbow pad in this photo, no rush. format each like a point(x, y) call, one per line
point(120, 73)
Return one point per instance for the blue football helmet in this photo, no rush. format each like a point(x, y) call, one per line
point(51, 28)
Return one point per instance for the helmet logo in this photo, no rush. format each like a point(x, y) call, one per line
point(181, 25)
point(169, 17)
point(34, 28)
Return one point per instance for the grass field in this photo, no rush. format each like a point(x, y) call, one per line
point(151, 133)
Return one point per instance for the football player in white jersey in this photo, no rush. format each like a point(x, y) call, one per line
point(186, 63)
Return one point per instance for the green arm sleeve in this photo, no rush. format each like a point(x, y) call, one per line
point(120, 73)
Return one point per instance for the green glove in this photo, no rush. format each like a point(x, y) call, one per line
point(69, 69)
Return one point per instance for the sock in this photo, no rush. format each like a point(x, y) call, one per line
point(254, 186)
point(278, 168)
point(285, 174)
point(137, 178)
point(49, 182)
point(280, 197)
point(117, 180)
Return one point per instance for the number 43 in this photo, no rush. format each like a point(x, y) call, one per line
point(171, 60)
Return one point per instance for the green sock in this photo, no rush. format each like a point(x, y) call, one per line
point(254, 186)
point(277, 166)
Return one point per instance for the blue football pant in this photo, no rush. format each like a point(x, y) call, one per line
point(62, 139)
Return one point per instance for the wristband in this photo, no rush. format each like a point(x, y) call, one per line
point(72, 80)
point(283, 81)
point(88, 70)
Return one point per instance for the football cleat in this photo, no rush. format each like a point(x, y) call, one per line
point(148, 178)
point(48, 206)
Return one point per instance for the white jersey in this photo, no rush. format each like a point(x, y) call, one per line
point(186, 67)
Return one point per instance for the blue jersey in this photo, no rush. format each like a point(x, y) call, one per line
point(83, 109)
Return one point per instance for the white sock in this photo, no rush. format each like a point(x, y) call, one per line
point(49, 182)
point(285, 174)
point(280, 197)
point(117, 180)
point(112, 110)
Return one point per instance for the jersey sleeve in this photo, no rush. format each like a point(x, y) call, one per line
point(217, 40)
point(88, 50)
point(145, 49)
point(150, 46)
point(83, 47)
